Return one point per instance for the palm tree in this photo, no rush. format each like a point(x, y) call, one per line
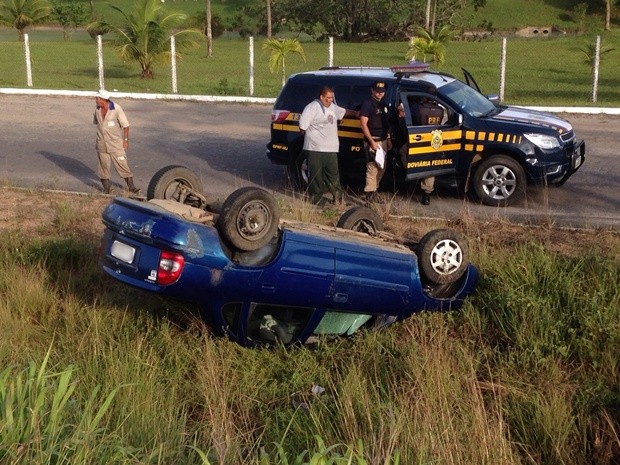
point(429, 46)
point(21, 14)
point(589, 54)
point(145, 34)
point(279, 49)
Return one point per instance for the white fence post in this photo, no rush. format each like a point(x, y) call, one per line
point(28, 63)
point(330, 60)
point(173, 63)
point(100, 61)
point(502, 71)
point(597, 64)
point(251, 51)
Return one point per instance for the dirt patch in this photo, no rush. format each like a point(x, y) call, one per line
point(37, 213)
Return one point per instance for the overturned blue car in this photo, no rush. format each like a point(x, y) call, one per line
point(261, 280)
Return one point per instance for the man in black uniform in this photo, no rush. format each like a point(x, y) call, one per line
point(425, 112)
point(376, 129)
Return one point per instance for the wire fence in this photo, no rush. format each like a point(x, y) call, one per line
point(521, 71)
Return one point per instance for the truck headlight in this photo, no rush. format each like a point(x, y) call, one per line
point(543, 141)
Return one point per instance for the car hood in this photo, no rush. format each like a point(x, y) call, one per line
point(532, 118)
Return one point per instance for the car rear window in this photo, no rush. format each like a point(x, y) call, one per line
point(296, 95)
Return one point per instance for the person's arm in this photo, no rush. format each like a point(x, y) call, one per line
point(351, 113)
point(366, 132)
point(123, 123)
point(126, 137)
point(305, 118)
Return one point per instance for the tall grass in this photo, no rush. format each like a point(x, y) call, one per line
point(526, 372)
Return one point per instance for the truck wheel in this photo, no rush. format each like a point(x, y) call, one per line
point(361, 219)
point(297, 171)
point(442, 256)
point(249, 218)
point(174, 183)
point(499, 181)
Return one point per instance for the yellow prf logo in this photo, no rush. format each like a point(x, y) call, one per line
point(436, 139)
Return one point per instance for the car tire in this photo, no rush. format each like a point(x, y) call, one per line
point(166, 183)
point(248, 219)
point(361, 219)
point(298, 173)
point(442, 256)
point(499, 181)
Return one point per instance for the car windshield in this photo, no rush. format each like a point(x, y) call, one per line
point(468, 100)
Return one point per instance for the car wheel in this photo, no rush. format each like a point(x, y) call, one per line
point(442, 256)
point(297, 171)
point(361, 219)
point(175, 183)
point(499, 181)
point(249, 218)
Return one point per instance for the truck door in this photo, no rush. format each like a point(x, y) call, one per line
point(434, 136)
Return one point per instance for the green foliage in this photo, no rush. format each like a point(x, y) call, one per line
point(217, 25)
point(21, 14)
point(144, 36)
point(279, 49)
point(589, 52)
point(43, 422)
point(526, 372)
point(69, 15)
point(579, 15)
point(426, 46)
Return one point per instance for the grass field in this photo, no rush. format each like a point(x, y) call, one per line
point(95, 372)
point(546, 71)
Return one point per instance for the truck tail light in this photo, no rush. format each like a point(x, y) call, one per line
point(279, 116)
point(170, 267)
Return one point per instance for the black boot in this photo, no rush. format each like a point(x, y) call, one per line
point(107, 186)
point(426, 199)
point(130, 187)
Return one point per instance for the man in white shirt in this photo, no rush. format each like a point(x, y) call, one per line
point(319, 123)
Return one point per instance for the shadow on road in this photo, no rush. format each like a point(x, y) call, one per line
point(75, 168)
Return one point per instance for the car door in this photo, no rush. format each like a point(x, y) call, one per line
point(433, 145)
point(469, 80)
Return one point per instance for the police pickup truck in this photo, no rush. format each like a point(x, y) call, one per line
point(477, 144)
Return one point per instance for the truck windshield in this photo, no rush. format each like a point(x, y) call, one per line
point(468, 100)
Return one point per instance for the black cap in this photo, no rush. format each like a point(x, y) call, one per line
point(379, 86)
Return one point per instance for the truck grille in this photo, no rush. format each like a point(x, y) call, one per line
point(567, 136)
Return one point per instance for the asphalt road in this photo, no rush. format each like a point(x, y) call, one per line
point(48, 142)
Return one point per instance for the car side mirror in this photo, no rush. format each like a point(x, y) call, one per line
point(493, 98)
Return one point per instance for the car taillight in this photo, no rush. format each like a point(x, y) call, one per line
point(279, 116)
point(170, 267)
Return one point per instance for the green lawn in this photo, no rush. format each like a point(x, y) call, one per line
point(543, 71)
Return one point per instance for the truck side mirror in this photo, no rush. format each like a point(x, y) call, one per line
point(493, 98)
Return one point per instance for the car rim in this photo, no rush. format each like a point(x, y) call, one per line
point(364, 226)
point(499, 182)
point(174, 190)
point(446, 257)
point(253, 220)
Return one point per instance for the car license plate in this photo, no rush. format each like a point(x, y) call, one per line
point(122, 251)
